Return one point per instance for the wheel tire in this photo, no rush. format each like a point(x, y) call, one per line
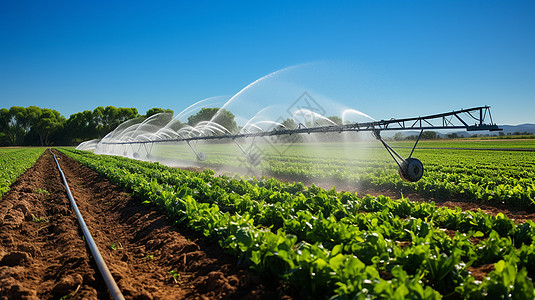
point(411, 170)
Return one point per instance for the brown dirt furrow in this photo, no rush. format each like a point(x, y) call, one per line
point(43, 255)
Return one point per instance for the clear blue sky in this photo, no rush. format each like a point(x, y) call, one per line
point(405, 58)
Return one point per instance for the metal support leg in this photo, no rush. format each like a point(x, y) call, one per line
point(410, 169)
point(416, 142)
point(252, 158)
point(397, 158)
point(200, 155)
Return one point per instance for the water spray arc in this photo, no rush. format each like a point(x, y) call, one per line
point(410, 168)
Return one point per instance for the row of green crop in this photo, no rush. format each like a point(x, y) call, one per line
point(330, 243)
point(13, 162)
point(493, 177)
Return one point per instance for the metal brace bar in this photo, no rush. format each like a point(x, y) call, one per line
point(417, 139)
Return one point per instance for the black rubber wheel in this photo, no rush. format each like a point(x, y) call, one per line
point(411, 170)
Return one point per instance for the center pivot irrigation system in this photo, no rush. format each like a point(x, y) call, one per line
point(410, 169)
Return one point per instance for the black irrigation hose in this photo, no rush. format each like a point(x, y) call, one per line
point(108, 278)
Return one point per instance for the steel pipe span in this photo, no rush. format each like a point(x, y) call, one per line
point(101, 264)
point(444, 121)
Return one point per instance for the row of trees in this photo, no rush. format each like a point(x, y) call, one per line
point(35, 126)
point(19, 125)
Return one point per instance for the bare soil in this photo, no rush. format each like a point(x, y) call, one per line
point(43, 254)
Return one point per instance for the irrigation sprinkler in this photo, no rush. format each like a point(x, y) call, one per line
point(410, 168)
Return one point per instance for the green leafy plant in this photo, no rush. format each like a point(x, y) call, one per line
point(175, 275)
point(116, 246)
point(41, 191)
point(39, 220)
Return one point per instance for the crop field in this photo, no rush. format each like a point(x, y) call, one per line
point(13, 162)
point(345, 245)
point(452, 169)
point(309, 242)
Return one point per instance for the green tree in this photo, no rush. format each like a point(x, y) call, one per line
point(94, 124)
point(288, 124)
point(17, 125)
point(29, 126)
point(429, 135)
point(49, 122)
point(80, 127)
point(398, 136)
point(33, 113)
point(97, 120)
point(337, 120)
point(222, 117)
point(124, 114)
point(5, 137)
point(108, 118)
point(157, 110)
point(4, 141)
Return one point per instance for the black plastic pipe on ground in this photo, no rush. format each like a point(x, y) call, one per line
point(103, 268)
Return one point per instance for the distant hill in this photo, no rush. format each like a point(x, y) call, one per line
point(507, 129)
point(519, 128)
